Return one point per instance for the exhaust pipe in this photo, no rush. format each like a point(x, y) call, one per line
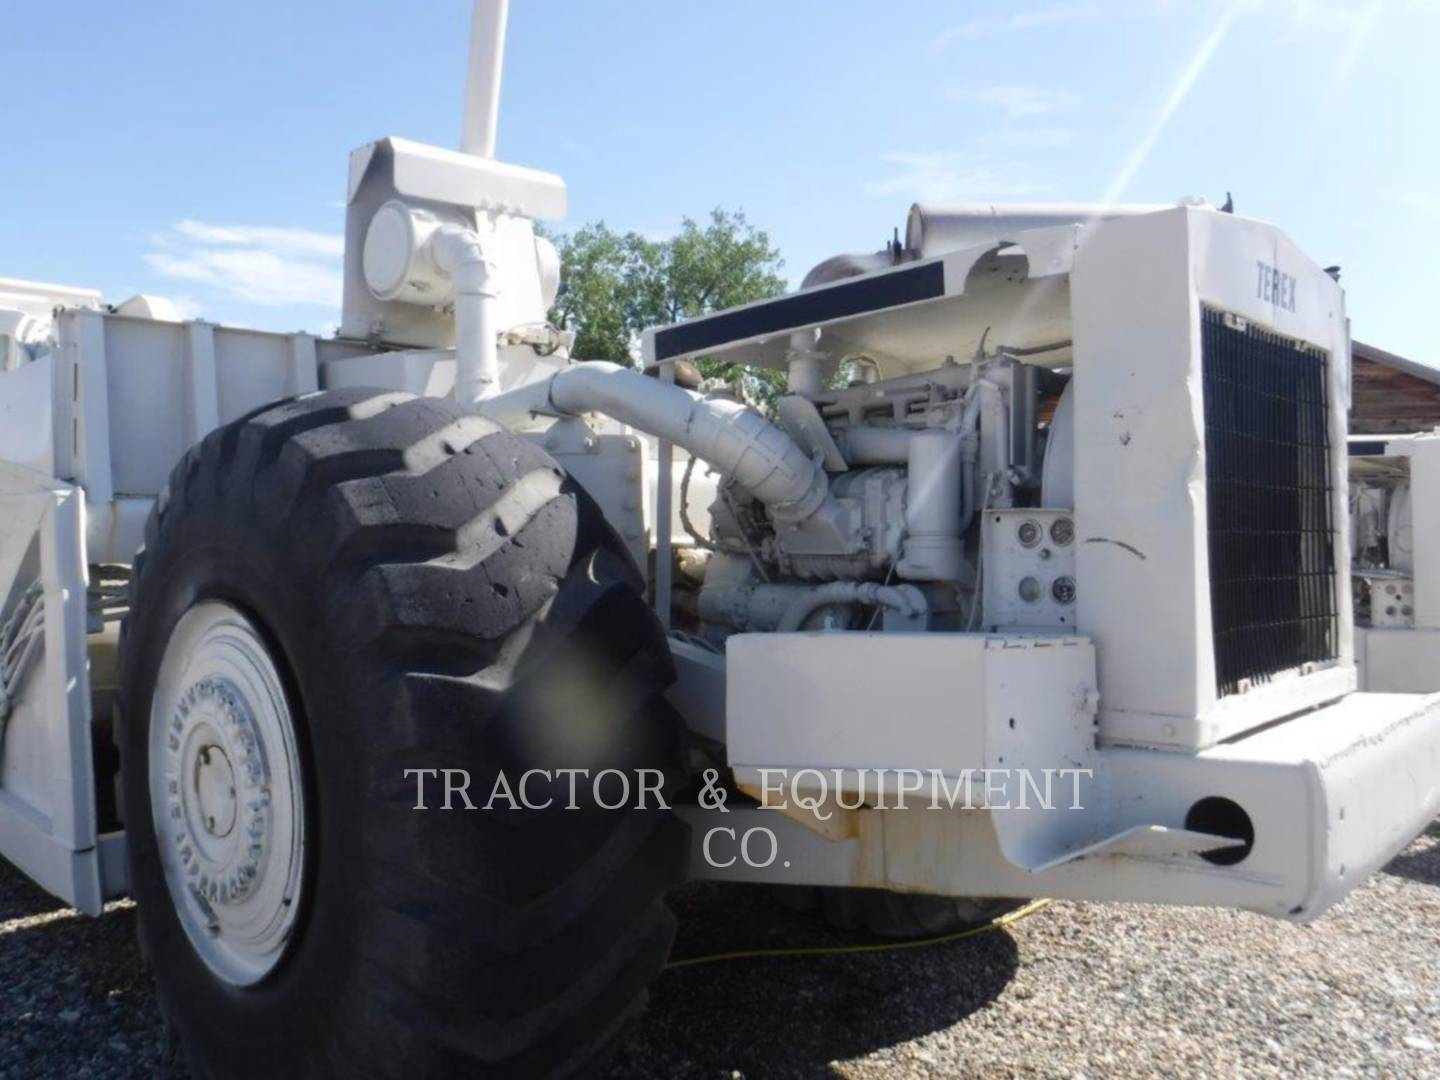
point(482, 85)
point(735, 439)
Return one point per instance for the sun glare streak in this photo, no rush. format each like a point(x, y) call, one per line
point(1137, 157)
point(1176, 98)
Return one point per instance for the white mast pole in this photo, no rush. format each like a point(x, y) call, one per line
point(482, 86)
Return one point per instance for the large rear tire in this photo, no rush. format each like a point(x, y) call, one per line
point(335, 590)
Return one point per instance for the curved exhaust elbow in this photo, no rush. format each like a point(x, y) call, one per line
point(735, 439)
point(762, 458)
point(465, 257)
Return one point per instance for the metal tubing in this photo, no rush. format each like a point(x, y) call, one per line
point(664, 493)
point(462, 254)
point(906, 599)
point(863, 444)
point(934, 549)
point(736, 440)
point(482, 86)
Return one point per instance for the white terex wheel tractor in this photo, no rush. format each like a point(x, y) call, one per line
point(1395, 501)
point(1056, 493)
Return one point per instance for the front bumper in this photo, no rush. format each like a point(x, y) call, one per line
point(1330, 795)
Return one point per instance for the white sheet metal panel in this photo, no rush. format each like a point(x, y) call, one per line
point(1008, 563)
point(1142, 552)
point(433, 178)
point(27, 433)
point(829, 700)
point(431, 372)
point(1332, 796)
point(1405, 661)
point(132, 395)
point(611, 469)
point(81, 403)
point(908, 316)
point(437, 174)
point(146, 364)
point(1425, 522)
point(251, 369)
point(934, 228)
point(47, 784)
point(929, 701)
point(40, 298)
point(1408, 659)
point(127, 396)
point(1139, 474)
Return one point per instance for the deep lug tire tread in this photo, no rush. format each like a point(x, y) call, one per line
point(437, 588)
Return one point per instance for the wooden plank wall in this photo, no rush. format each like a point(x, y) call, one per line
point(1387, 401)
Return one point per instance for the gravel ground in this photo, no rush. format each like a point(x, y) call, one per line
point(1075, 990)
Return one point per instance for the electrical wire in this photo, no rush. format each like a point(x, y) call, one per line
point(990, 480)
point(998, 923)
point(701, 539)
point(876, 613)
point(698, 642)
point(744, 535)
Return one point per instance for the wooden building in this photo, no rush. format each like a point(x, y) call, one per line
point(1390, 394)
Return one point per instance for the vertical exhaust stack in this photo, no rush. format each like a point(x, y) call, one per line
point(440, 248)
point(482, 84)
point(471, 258)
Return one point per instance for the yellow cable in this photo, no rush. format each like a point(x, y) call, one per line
point(1008, 919)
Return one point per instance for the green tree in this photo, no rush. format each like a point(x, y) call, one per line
point(613, 286)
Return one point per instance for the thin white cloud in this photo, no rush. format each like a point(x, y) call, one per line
point(1177, 96)
point(1046, 138)
point(1016, 101)
point(1030, 19)
point(947, 177)
point(1357, 37)
point(1338, 18)
point(263, 264)
point(1423, 202)
point(1345, 15)
point(281, 241)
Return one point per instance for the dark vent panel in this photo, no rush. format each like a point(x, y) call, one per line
point(1267, 472)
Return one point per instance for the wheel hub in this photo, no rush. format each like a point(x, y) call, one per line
point(214, 784)
point(225, 790)
point(222, 811)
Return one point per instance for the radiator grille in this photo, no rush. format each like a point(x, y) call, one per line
point(1267, 470)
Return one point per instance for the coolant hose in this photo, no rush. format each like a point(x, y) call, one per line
point(906, 599)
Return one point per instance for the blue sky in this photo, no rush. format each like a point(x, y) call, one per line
point(199, 150)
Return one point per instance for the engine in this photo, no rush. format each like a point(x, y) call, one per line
point(911, 462)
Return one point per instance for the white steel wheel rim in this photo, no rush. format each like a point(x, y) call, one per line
point(225, 793)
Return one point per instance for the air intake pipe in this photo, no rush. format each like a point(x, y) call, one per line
point(735, 439)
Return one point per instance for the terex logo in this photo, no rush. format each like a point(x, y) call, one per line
point(1274, 286)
